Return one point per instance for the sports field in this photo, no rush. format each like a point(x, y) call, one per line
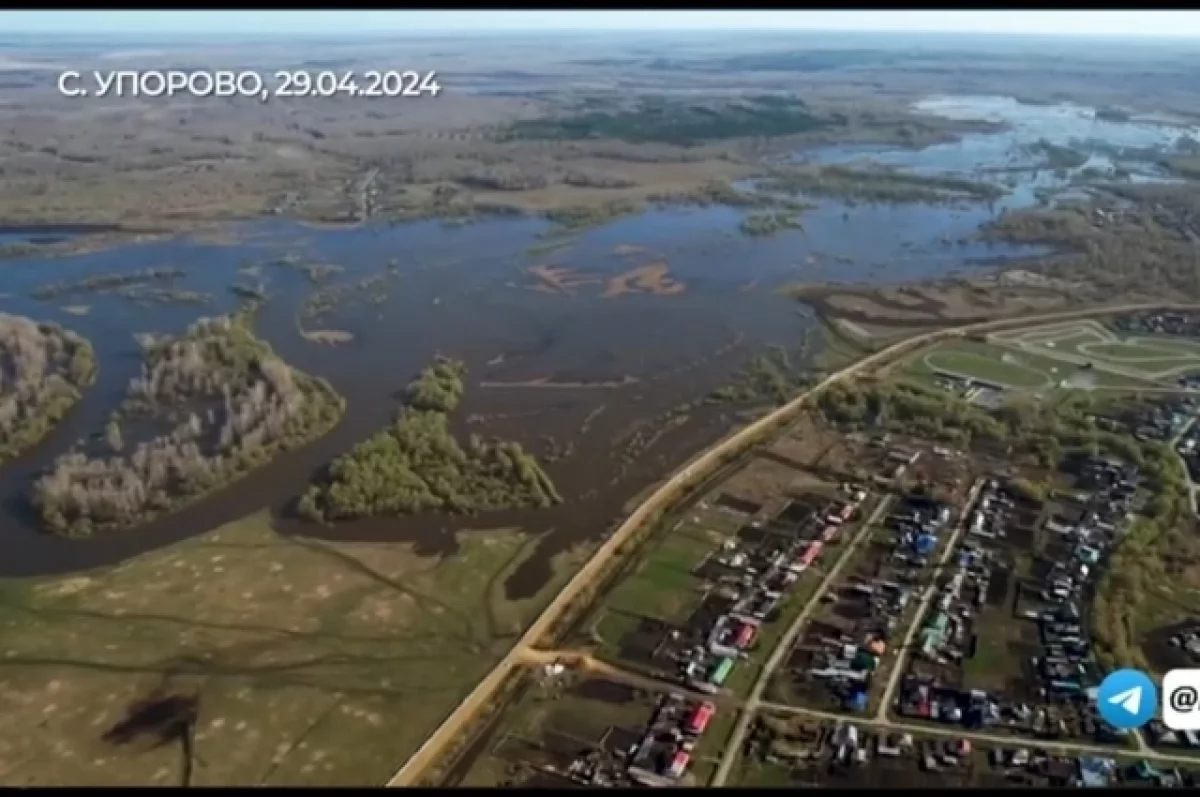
point(997, 367)
point(1074, 355)
point(1090, 344)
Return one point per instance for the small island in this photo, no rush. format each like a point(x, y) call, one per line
point(227, 405)
point(416, 465)
point(43, 369)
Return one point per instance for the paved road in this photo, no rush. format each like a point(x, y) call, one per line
point(903, 651)
point(666, 494)
point(733, 748)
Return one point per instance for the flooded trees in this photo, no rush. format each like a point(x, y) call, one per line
point(416, 465)
point(439, 388)
point(43, 367)
point(230, 404)
point(106, 282)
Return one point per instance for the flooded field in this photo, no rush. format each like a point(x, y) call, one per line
point(578, 347)
point(586, 361)
point(1017, 158)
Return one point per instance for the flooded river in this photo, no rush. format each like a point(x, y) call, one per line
point(616, 362)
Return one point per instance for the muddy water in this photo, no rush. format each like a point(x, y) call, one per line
point(464, 292)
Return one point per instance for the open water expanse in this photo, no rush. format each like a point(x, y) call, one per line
point(466, 292)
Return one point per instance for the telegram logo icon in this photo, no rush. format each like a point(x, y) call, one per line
point(1127, 699)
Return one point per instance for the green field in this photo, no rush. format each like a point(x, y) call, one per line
point(982, 361)
point(1136, 359)
point(1069, 342)
point(663, 587)
point(1165, 354)
point(969, 364)
point(294, 661)
point(658, 587)
point(1041, 368)
point(1174, 345)
point(1005, 641)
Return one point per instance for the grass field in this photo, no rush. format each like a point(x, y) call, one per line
point(1088, 342)
point(660, 586)
point(1160, 353)
point(1036, 368)
point(293, 661)
point(978, 366)
point(663, 587)
point(984, 361)
point(661, 592)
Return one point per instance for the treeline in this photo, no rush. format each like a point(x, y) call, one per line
point(105, 282)
point(582, 217)
point(504, 179)
point(1156, 551)
point(669, 121)
point(876, 185)
point(596, 180)
point(416, 465)
point(240, 406)
point(1044, 432)
point(1142, 244)
point(438, 388)
point(43, 368)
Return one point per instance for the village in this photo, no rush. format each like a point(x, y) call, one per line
point(897, 611)
point(966, 609)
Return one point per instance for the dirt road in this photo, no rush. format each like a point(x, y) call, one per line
point(902, 652)
point(667, 494)
point(1058, 748)
point(733, 747)
point(584, 661)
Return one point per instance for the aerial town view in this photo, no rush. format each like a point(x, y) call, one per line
point(600, 399)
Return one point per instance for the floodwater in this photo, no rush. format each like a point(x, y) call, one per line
point(1004, 157)
point(462, 292)
point(465, 292)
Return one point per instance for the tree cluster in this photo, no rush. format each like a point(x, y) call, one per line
point(1043, 431)
point(43, 367)
point(240, 406)
point(416, 465)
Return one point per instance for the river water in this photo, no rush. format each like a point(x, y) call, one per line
point(464, 292)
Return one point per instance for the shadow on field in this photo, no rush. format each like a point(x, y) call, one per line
point(164, 719)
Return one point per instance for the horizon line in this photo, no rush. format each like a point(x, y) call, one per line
point(377, 33)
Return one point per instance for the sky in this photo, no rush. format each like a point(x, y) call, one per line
point(1076, 22)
